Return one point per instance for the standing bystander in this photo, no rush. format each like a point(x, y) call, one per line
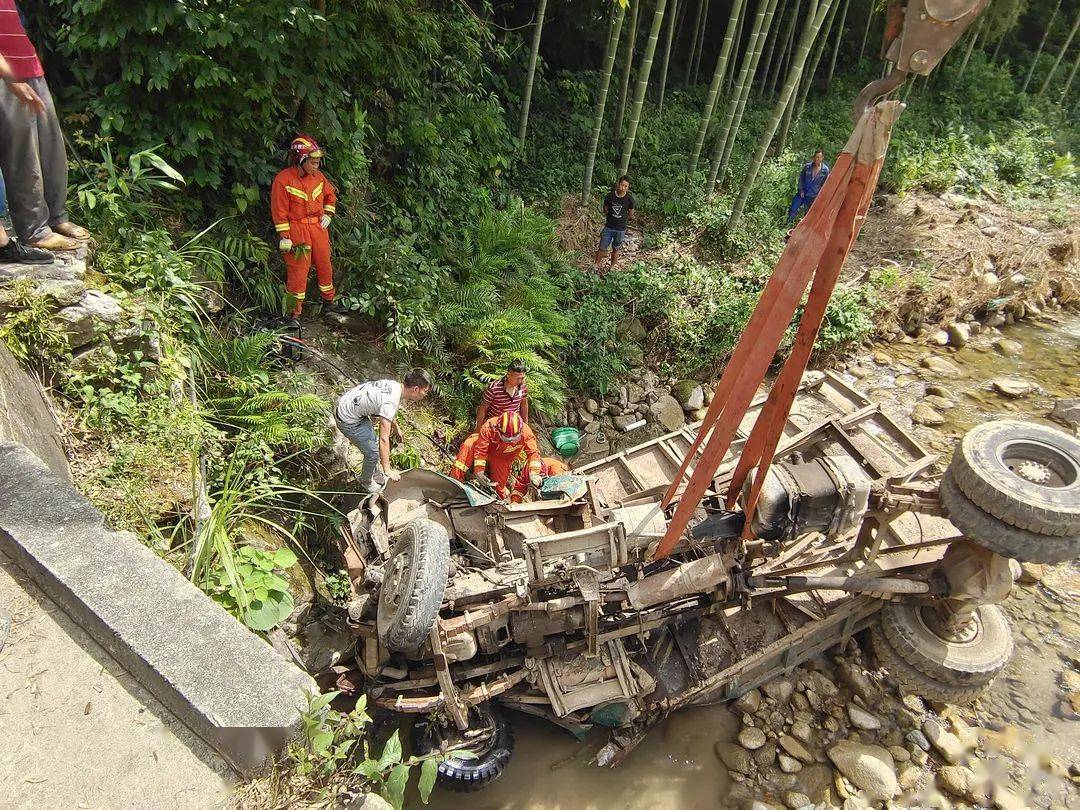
point(32, 153)
point(507, 394)
point(12, 251)
point(618, 208)
point(811, 179)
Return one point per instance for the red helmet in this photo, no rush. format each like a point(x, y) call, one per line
point(509, 427)
point(303, 147)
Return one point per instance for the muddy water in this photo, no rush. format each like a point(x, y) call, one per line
point(676, 767)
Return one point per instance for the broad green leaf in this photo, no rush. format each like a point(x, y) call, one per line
point(321, 741)
point(428, 771)
point(395, 786)
point(391, 754)
point(284, 558)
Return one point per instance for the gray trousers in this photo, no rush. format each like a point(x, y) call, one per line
point(34, 164)
point(362, 434)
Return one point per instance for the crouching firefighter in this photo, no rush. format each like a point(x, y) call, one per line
point(493, 451)
point(302, 204)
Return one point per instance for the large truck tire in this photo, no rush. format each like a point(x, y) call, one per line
point(490, 757)
point(916, 682)
point(413, 585)
point(973, 660)
point(1024, 474)
point(997, 536)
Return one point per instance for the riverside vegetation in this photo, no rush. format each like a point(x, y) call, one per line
point(459, 137)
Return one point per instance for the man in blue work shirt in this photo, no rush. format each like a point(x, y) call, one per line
point(811, 179)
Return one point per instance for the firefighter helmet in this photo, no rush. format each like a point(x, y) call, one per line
point(509, 427)
point(303, 147)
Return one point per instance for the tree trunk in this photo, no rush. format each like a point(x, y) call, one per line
point(772, 66)
point(813, 25)
point(729, 78)
point(714, 87)
point(526, 100)
point(789, 111)
point(763, 64)
point(1060, 56)
point(807, 83)
point(789, 46)
point(667, 52)
point(972, 40)
point(737, 104)
point(836, 44)
point(606, 70)
point(1042, 43)
point(628, 61)
point(866, 30)
point(1072, 75)
point(693, 43)
point(642, 85)
point(701, 41)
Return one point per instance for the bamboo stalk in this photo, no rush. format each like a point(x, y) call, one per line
point(836, 44)
point(701, 41)
point(601, 98)
point(1060, 56)
point(972, 40)
point(714, 87)
point(526, 100)
point(789, 111)
point(1042, 44)
point(667, 53)
point(693, 43)
point(642, 85)
point(628, 61)
point(819, 49)
point(729, 78)
point(866, 30)
point(789, 46)
point(772, 66)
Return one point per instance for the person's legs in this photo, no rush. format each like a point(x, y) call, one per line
point(616, 245)
point(605, 243)
point(20, 163)
point(53, 156)
point(793, 209)
point(362, 435)
point(297, 267)
point(13, 251)
point(320, 257)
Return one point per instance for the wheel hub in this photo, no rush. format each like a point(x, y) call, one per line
point(1033, 471)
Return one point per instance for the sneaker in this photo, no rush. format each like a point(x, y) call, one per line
point(333, 307)
point(15, 252)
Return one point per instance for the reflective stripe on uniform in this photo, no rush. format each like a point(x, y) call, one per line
point(329, 209)
point(300, 295)
point(281, 227)
point(327, 288)
point(460, 465)
point(316, 192)
point(480, 463)
point(297, 192)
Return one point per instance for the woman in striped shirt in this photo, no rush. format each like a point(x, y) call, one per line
point(510, 394)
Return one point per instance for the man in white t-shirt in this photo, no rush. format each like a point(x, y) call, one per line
point(377, 400)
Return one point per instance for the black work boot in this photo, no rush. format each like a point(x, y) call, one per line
point(333, 307)
point(15, 252)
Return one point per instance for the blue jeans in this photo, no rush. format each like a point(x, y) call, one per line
point(797, 202)
point(362, 434)
point(610, 237)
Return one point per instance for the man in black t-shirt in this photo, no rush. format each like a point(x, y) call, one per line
point(618, 207)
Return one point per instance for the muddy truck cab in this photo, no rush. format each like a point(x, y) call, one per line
point(464, 606)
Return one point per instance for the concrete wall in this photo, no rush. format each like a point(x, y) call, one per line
point(26, 418)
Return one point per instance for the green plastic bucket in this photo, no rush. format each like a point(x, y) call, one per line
point(567, 440)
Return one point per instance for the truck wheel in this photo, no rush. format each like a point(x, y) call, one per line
point(971, 660)
point(995, 535)
point(915, 682)
point(492, 751)
point(1027, 475)
point(413, 585)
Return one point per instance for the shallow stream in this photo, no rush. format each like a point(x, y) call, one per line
point(676, 767)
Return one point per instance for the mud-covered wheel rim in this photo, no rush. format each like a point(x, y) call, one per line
point(1039, 464)
point(414, 580)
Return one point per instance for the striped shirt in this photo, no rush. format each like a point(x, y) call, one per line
point(499, 400)
point(15, 46)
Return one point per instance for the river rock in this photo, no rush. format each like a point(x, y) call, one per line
point(624, 421)
point(939, 403)
point(917, 738)
point(371, 801)
point(912, 778)
point(939, 337)
point(862, 719)
point(899, 753)
point(689, 394)
point(868, 767)
point(945, 742)
point(668, 412)
point(820, 684)
point(1012, 387)
point(765, 756)
point(1008, 348)
point(995, 320)
point(752, 738)
point(1005, 799)
point(923, 414)
point(796, 749)
point(92, 359)
point(801, 731)
point(779, 689)
point(796, 801)
point(789, 764)
point(592, 406)
point(962, 783)
point(735, 757)
point(747, 703)
point(940, 366)
point(856, 677)
point(631, 329)
point(1031, 573)
point(959, 334)
point(1067, 412)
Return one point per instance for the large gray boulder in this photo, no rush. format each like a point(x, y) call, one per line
point(689, 394)
point(868, 767)
point(668, 412)
point(26, 416)
point(1067, 411)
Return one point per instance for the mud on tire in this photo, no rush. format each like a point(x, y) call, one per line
point(973, 661)
point(413, 585)
point(995, 535)
point(491, 757)
point(1025, 474)
point(915, 682)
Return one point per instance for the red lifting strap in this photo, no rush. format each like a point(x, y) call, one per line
point(822, 242)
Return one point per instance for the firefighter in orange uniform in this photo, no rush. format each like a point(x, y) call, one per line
point(302, 204)
point(499, 442)
point(548, 467)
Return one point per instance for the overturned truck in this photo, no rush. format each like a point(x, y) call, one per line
point(465, 605)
